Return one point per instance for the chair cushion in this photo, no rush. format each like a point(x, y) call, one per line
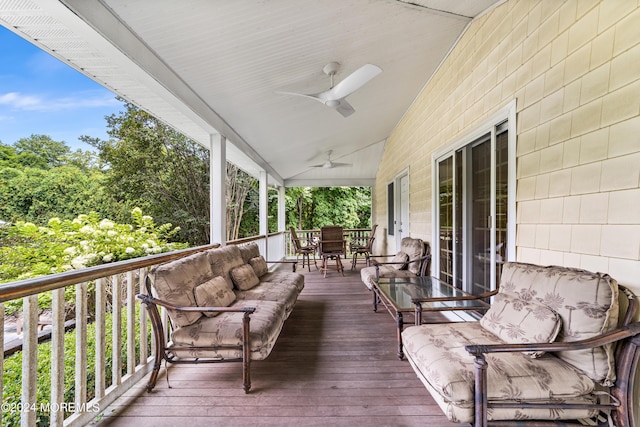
point(401, 257)
point(587, 303)
point(259, 265)
point(244, 277)
point(213, 293)
point(437, 354)
point(174, 281)
point(516, 321)
point(414, 248)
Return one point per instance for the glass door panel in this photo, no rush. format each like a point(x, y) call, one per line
point(481, 218)
point(445, 232)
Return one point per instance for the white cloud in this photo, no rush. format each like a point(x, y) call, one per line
point(90, 99)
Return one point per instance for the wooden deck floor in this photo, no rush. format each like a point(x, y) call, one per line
point(334, 364)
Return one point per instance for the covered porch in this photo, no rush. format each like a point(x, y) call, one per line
point(335, 363)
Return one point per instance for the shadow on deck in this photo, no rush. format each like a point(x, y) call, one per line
point(334, 364)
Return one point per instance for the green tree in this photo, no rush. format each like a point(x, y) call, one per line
point(151, 165)
point(155, 167)
point(41, 151)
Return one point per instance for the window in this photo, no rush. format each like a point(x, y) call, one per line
point(475, 206)
point(391, 221)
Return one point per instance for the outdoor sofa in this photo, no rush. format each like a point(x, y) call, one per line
point(224, 305)
point(557, 344)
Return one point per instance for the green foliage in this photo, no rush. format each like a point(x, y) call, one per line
point(28, 250)
point(152, 166)
point(312, 208)
point(12, 384)
point(41, 151)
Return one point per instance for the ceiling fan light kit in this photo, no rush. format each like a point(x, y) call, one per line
point(335, 96)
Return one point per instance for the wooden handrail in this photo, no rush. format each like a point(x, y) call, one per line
point(36, 285)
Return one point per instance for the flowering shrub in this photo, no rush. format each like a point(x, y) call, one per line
point(28, 250)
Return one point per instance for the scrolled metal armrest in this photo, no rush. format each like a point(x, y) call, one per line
point(597, 341)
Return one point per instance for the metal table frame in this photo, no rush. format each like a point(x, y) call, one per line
point(416, 295)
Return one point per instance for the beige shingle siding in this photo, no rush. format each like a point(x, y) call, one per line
point(574, 68)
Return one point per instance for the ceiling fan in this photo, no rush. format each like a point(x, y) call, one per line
point(328, 164)
point(335, 96)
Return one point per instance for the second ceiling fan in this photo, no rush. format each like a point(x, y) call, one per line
point(335, 96)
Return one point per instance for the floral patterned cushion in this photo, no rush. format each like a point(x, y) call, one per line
point(437, 354)
point(259, 265)
point(414, 248)
point(226, 330)
point(401, 257)
point(516, 321)
point(223, 260)
point(587, 303)
point(244, 277)
point(248, 251)
point(174, 282)
point(282, 293)
point(213, 293)
point(284, 277)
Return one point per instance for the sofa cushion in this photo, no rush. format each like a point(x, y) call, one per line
point(223, 260)
point(587, 303)
point(282, 293)
point(174, 281)
point(515, 321)
point(259, 265)
point(213, 293)
point(248, 251)
point(437, 355)
point(226, 329)
point(401, 258)
point(284, 277)
point(244, 277)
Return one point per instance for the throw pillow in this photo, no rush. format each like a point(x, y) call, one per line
point(400, 258)
point(244, 277)
point(259, 265)
point(213, 293)
point(516, 321)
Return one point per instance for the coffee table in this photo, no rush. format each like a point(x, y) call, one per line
point(400, 295)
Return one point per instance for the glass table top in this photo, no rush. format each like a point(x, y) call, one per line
point(434, 295)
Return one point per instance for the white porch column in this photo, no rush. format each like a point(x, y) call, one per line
point(282, 210)
point(217, 200)
point(263, 211)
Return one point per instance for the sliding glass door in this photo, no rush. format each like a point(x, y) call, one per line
point(473, 215)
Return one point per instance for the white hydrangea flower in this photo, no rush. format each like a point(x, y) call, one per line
point(70, 250)
point(107, 258)
point(105, 223)
point(129, 250)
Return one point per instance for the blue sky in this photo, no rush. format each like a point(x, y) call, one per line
point(41, 95)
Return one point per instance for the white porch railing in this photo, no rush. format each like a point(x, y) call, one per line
point(94, 294)
point(101, 292)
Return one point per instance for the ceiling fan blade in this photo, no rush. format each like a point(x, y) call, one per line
point(353, 82)
point(315, 96)
point(345, 108)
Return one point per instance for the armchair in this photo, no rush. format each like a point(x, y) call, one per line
point(548, 352)
point(360, 249)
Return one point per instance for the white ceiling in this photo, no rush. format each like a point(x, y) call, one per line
point(216, 66)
